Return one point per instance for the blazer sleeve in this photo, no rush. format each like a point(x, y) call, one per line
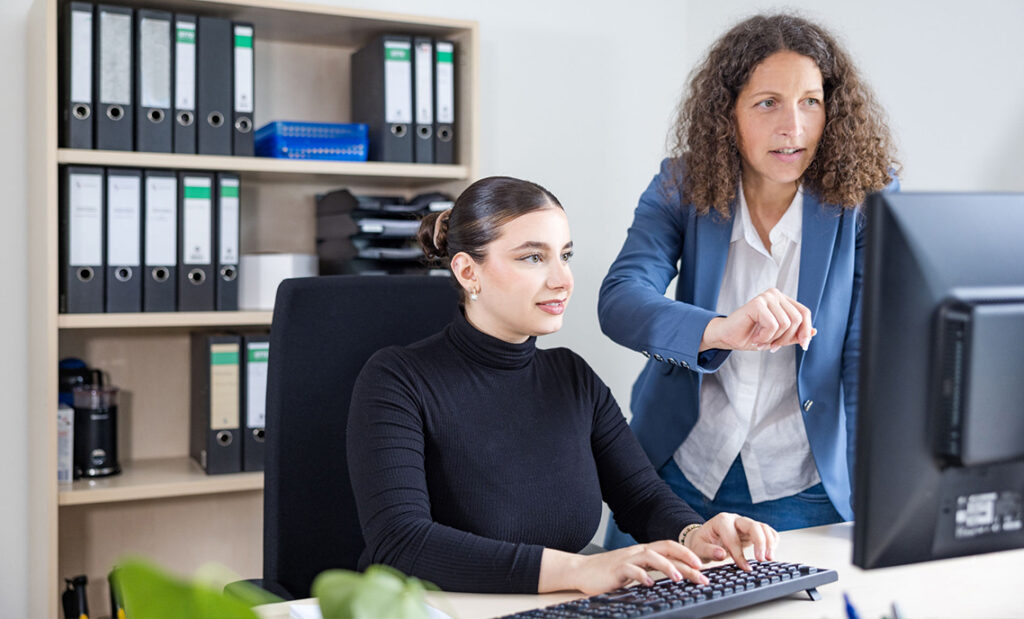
point(385, 440)
point(632, 307)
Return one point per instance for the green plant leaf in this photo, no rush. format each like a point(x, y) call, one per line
point(378, 593)
point(149, 592)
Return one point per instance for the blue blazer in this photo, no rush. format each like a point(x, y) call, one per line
point(669, 238)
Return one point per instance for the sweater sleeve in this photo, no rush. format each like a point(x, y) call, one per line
point(642, 503)
point(386, 461)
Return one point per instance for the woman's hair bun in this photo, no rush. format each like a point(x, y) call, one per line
point(433, 235)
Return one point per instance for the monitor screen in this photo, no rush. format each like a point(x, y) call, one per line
point(939, 459)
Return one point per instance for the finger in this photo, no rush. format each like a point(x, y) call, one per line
point(796, 319)
point(766, 323)
point(753, 533)
point(730, 540)
point(677, 552)
point(773, 540)
point(656, 561)
point(631, 571)
point(781, 316)
point(790, 323)
point(693, 574)
point(806, 328)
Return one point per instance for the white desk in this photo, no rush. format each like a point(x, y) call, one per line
point(985, 586)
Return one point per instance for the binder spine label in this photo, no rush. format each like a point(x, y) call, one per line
point(224, 394)
point(123, 220)
point(229, 221)
point(185, 66)
point(445, 83)
point(197, 231)
point(398, 81)
point(243, 69)
point(256, 384)
point(81, 57)
point(424, 84)
point(86, 220)
point(155, 57)
point(115, 63)
point(161, 221)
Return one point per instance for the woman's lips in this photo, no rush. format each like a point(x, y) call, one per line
point(788, 155)
point(555, 308)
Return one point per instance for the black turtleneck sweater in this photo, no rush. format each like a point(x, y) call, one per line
point(468, 455)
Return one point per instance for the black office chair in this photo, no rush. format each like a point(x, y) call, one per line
point(324, 330)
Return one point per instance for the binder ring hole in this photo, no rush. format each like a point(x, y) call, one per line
point(196, 276)
point(161, 274)
point(84, 274)
point(425, 132)
point(215, 119)
point(224, 438)
point(81, 111)
point(123, 274)
point(244, 125)
point(228, 273)
point(445, 135)
point(115, 112)
point(184, 118)
point(156, 115)
point(259, 434)
point(398, 130)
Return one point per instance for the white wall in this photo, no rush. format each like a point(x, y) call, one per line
point(14, 550)
point(578, 96)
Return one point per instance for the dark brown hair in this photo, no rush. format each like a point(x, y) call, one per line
point(855, 155)
point(478, 215)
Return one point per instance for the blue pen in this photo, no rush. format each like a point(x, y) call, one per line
point(851, 612)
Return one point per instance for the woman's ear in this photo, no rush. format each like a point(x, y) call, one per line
point(464, 268)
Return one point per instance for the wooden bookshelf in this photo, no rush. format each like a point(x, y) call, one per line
point(156, 320)
point(156, 478)
point(269, 169)
point(162, 505)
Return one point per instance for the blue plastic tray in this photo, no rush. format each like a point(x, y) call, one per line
point(302, 140)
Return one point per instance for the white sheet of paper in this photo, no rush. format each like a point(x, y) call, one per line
point(311, 610)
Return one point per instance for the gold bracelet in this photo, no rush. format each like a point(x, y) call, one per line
point(686, 531)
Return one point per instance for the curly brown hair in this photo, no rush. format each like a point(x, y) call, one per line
point(855, 155)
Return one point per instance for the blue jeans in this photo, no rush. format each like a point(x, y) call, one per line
point(809, 508)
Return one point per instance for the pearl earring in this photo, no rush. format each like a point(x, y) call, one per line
point(473, 296)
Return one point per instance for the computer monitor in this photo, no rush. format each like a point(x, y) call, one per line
point(939, 462)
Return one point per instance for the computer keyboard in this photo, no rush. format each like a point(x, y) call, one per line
point(729, 588)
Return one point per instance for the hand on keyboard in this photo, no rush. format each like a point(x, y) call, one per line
point(726, 535)
point(617, 568)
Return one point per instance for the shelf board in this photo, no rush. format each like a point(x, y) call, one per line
point(155, 478)
point(149, 320)
point(267, 168)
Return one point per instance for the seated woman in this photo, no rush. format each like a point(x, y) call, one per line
point(479, 462)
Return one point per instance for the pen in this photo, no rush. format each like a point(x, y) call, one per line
point(851, 612)
point(896, 614)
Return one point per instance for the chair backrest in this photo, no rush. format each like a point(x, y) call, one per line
point(324, 330)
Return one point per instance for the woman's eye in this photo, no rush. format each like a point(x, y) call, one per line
point(532, 258)
point(767, 103)
point(813, 101)
point(567, 256)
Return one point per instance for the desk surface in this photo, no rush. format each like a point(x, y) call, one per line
point(984, 586)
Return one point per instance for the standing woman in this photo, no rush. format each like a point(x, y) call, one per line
point(748, 402)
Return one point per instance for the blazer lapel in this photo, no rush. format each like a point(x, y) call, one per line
point(820, 225)
point(713, 232)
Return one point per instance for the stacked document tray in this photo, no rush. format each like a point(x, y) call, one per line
point(372, 234)
point(301, 140)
